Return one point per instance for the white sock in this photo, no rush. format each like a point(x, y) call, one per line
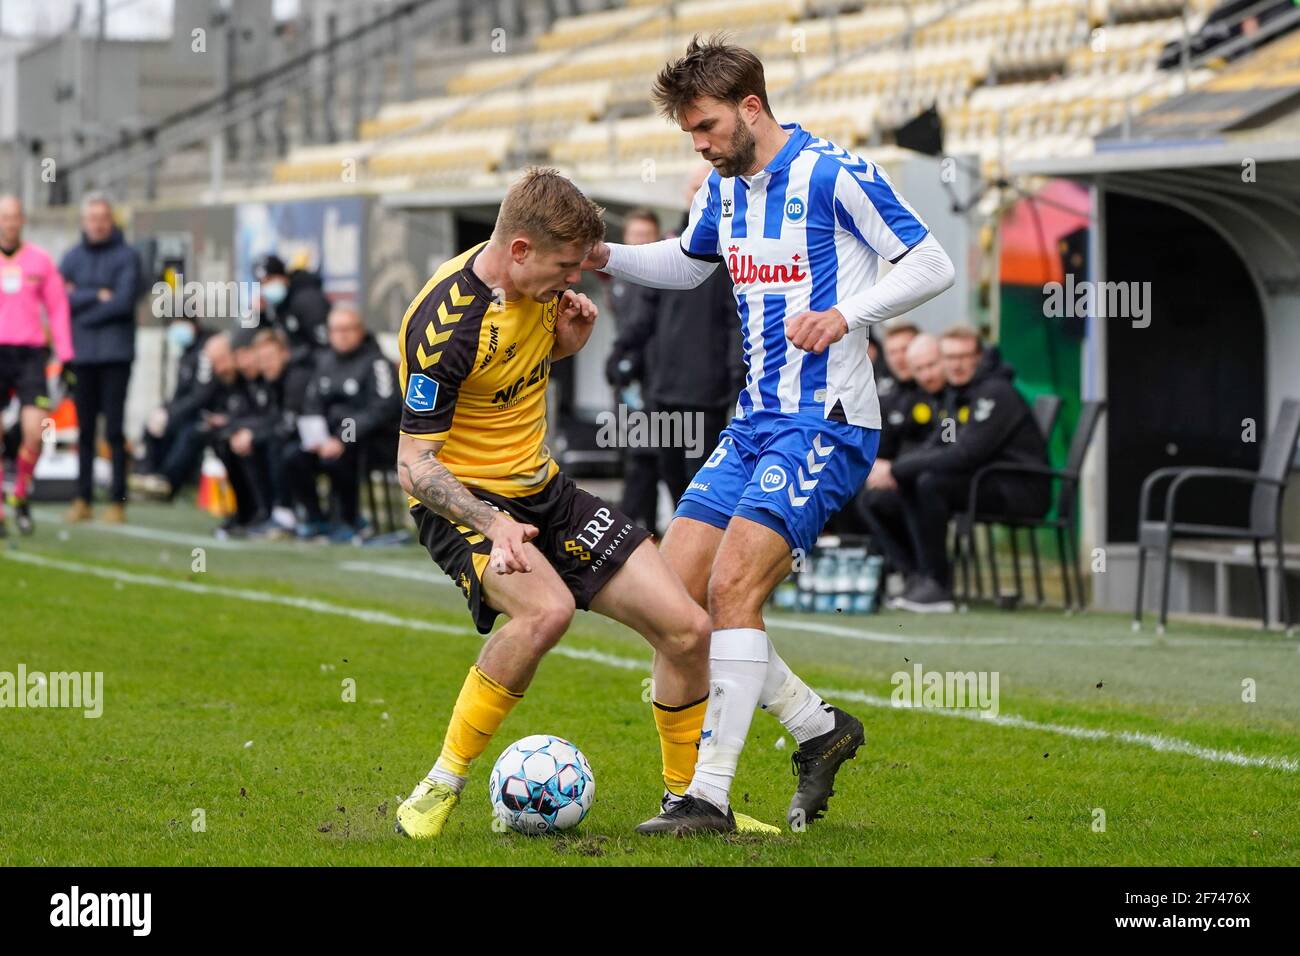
point(440, 774)
point(737, 666)
point(791, 701)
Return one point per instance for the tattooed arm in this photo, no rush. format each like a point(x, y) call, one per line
point(428, 481)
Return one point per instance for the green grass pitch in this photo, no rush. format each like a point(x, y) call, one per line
point(224, 702)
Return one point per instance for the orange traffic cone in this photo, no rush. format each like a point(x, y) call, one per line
point(216, 497)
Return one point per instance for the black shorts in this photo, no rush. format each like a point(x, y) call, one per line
point(584, 538)
point(22, 370)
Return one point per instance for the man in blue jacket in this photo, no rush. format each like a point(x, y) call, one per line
point(102, 274)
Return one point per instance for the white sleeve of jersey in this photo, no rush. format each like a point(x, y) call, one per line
point(867, 205)
point(919, 276)
point(660, 265)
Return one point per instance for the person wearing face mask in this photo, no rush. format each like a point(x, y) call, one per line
point(172, 427)
point(295, 302)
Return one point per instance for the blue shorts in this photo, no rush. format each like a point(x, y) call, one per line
point(787, 472)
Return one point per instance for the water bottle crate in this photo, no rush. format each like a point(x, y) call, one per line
point(833, 579)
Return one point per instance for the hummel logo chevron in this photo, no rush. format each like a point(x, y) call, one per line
point(822, 451)
point(436, 332)
point(818, 455)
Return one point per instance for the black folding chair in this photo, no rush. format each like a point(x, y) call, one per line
point(1067, 503)
point(1046, 410)
point(1265, 514)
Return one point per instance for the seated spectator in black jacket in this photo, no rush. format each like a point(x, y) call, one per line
point(279, 395)
point(910, 413)
point(240, 407)
point(171, 441)
point(889, 363)
point(889, 368)
point(352, 399)
point(991, 422)
point(254, 446)
point(202, 404)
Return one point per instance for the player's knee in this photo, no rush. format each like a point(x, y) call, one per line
point(688, 643)
point(548, 621)
point(729, 589)
point(699, 635)
point(927, 483)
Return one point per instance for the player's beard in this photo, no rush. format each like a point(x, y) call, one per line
point(740, 151)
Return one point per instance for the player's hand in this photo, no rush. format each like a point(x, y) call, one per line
point(597, 258)
point(508, 537)
point(105, 294)
point(882, 476)
point(241, 442)
point(576, 308)
point(156, 423)
point(330, 448)
point(815, 331)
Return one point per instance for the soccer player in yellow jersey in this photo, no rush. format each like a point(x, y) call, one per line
point(493, 508)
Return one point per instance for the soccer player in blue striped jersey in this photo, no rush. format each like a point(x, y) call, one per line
point(801, 225)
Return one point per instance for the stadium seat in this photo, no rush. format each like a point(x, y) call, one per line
point(1268, 486)
point(1063, 518)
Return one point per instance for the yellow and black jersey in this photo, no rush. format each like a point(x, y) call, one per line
point(473, 374)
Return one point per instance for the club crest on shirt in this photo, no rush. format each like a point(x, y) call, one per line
point(795, 209)
point(773, 479)
point(550, 313)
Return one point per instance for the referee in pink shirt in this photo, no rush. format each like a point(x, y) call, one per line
point(29, 280)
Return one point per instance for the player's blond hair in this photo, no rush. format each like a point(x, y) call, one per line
point(715, 68)
point(550, 210)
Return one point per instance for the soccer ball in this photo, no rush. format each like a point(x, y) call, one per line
point(541, 784)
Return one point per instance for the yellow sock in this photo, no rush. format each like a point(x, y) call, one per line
point(481, 707)
point(679, 741)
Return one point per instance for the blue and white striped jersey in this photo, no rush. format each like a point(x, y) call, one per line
point(802, 234)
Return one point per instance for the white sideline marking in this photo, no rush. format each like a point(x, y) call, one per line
point(879, 637)
point(430, 575)
point(1153, 741)
point(1156, 742)
point(168, 537)
point(262, 597)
